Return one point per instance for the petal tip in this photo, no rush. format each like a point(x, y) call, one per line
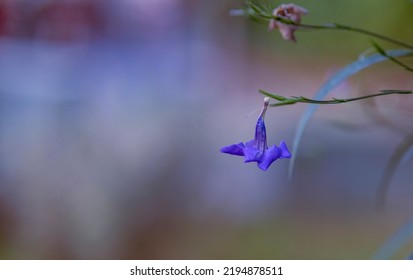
point(285, 153)
point(235, 149)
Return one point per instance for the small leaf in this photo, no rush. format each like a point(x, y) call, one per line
point(273, 96)
point(256, 8)
point(381, 51)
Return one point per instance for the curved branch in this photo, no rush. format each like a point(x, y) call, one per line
point(301, 99)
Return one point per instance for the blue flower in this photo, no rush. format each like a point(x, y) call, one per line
point(257, 150)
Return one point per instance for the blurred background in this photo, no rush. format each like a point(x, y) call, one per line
point(112, 114)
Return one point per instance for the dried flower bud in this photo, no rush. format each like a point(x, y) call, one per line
point(289, 12)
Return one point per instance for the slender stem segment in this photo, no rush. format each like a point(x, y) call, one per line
point(301, 99)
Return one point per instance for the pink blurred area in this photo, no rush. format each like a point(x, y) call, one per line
point(112, 114)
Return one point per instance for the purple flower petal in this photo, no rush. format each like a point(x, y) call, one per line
point(235, 149)
point(257, 150)
point(252, 154)
point(249, 144)
point(270, 155)
point(285, 153)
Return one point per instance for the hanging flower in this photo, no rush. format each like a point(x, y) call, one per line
point(289, 12)
point(257, 150)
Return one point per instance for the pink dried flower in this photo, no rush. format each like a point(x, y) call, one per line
point(290, 12)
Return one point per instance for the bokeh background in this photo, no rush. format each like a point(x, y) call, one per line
point(112, 114)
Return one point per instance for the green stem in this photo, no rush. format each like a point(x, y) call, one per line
point(266, 13)
point(381, 51)
point(301, 99)
point(354, 29)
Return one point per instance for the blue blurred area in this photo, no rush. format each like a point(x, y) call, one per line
point(112, 114)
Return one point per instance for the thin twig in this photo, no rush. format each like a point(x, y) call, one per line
point(301, 99)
